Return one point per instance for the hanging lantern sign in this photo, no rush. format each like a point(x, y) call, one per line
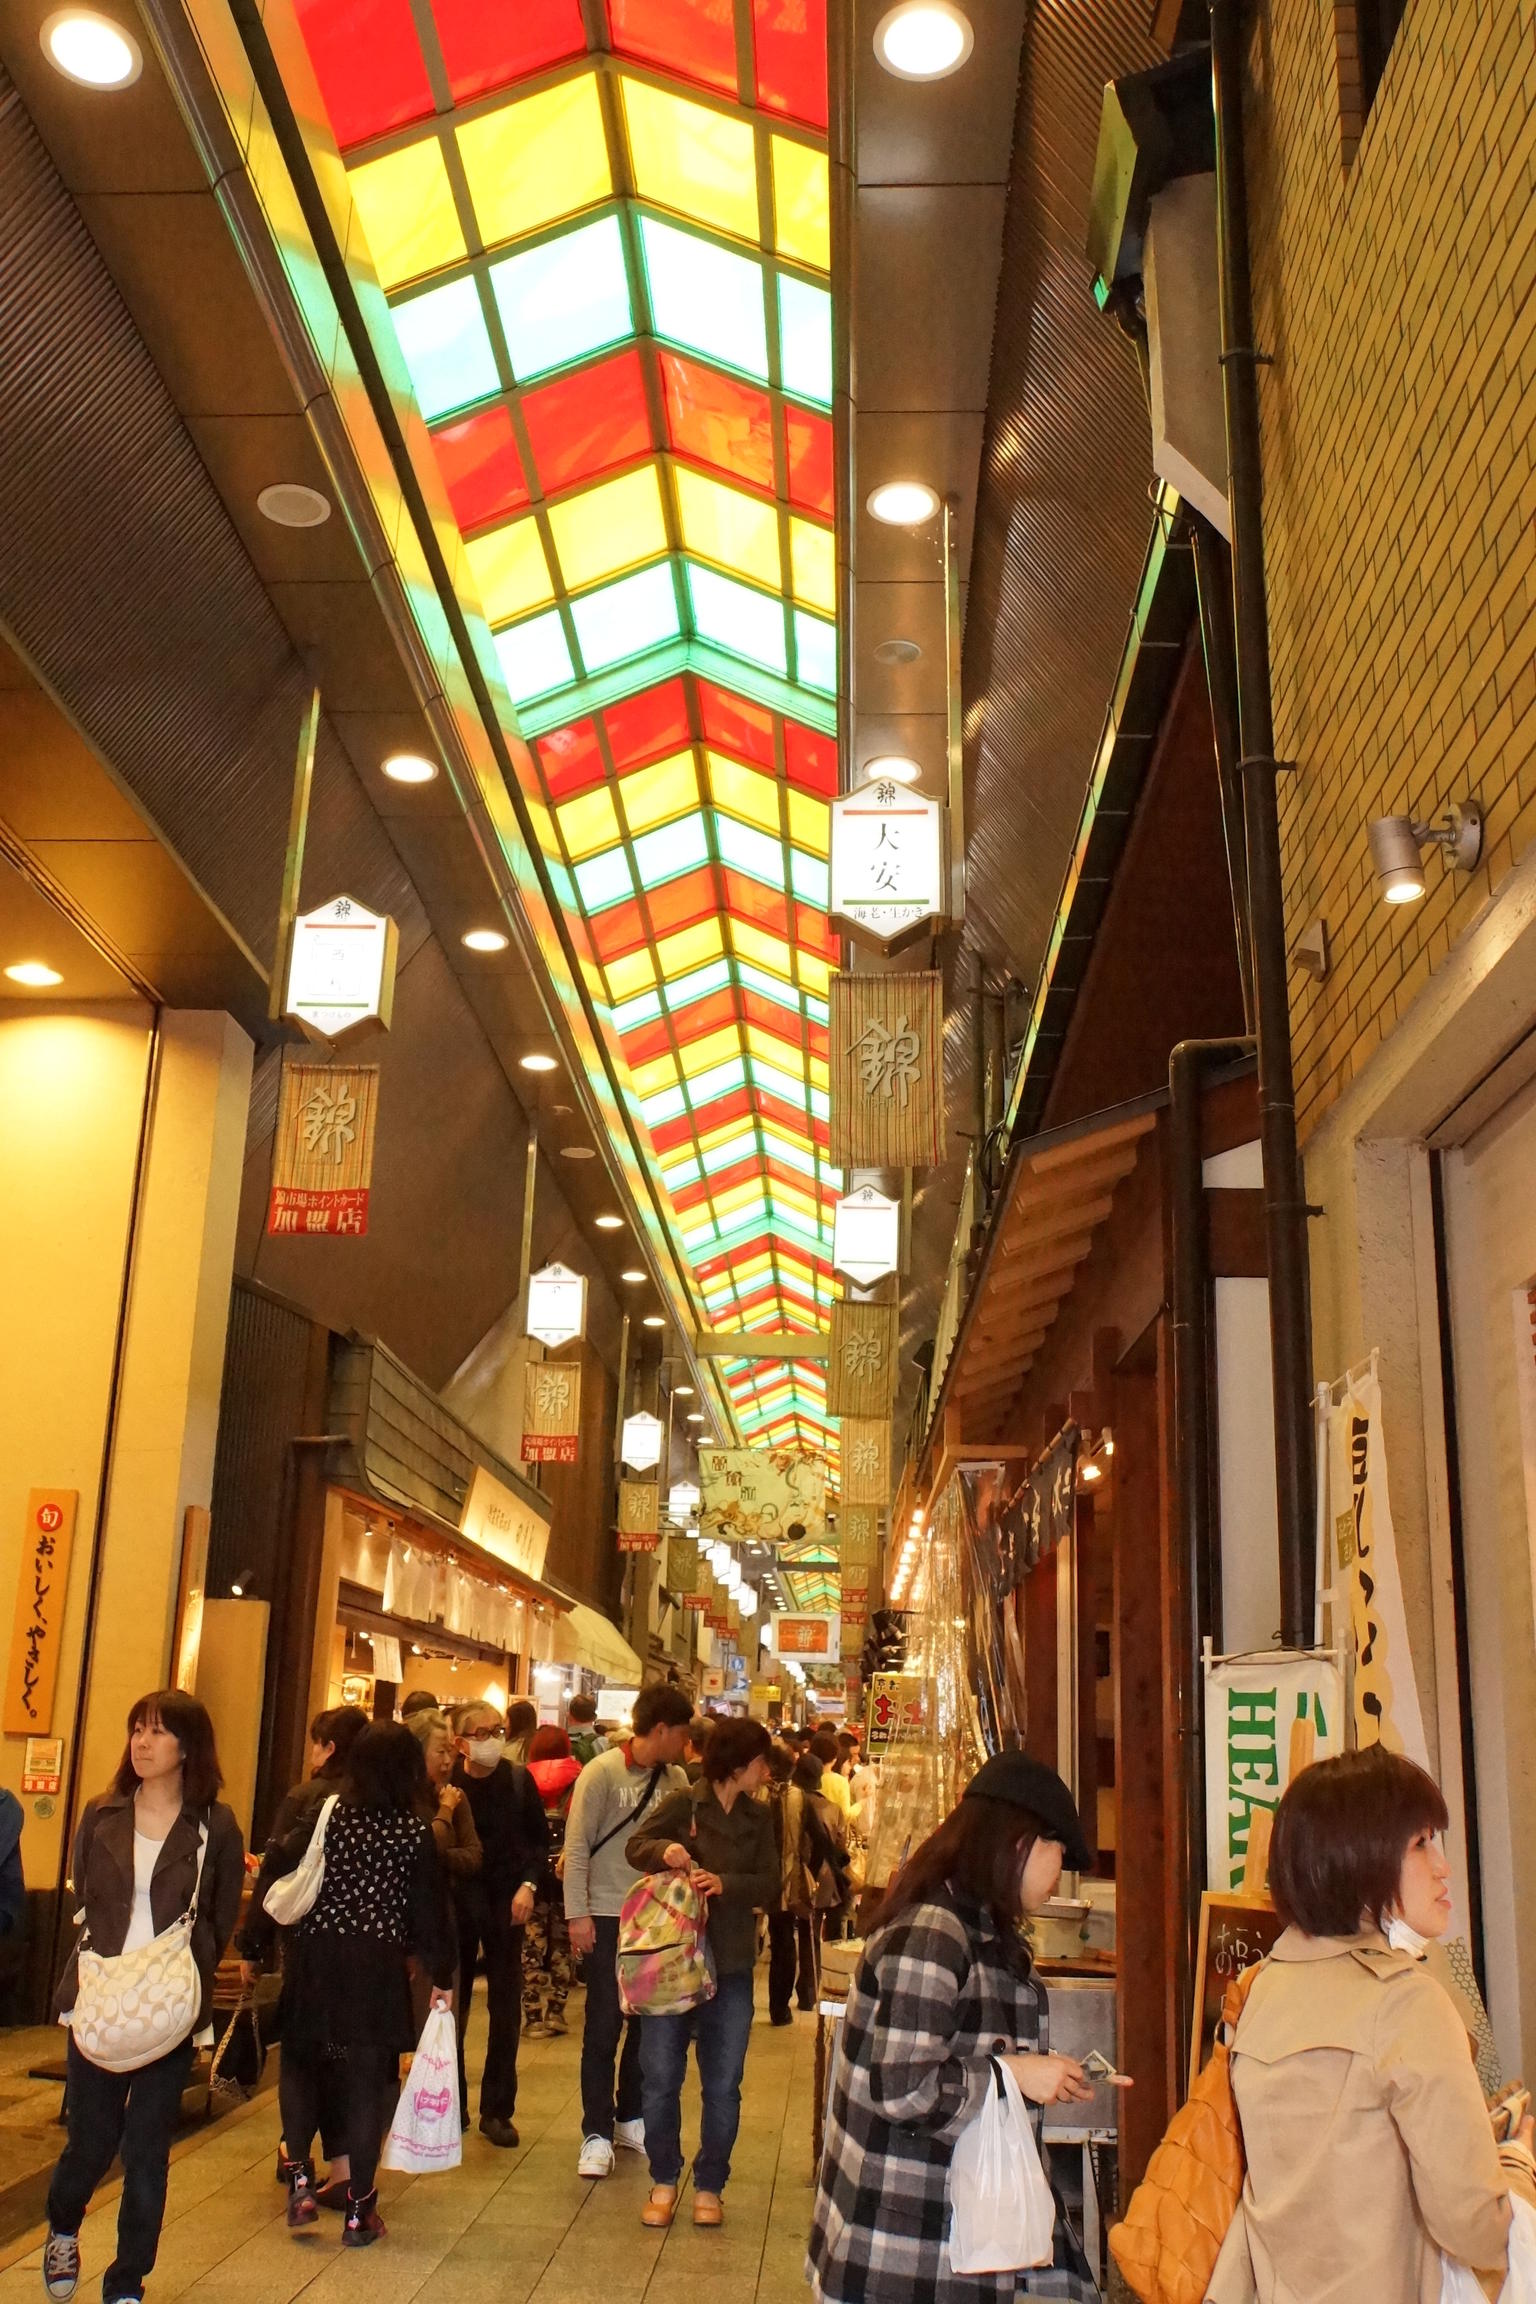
point(640, 1442)
point(888, 867)
point(682, 1501)
point(557, 1305)
point(866, 1235)
point(341, 969)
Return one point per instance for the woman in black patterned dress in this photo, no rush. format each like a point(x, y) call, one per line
point(946, 1985)
point(347, 1982)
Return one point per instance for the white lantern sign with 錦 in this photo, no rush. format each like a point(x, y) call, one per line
point(640, 1442)
point(341, 969)
point(557, 1304)
point(866, 1235)
point(888, 878)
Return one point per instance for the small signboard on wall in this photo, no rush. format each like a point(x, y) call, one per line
point(48, 1533)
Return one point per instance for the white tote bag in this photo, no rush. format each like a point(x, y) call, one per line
point(1002, 2217)
point(425, 2134)
point(288, 1899)
point(1459, 2286)
point(133, 2007)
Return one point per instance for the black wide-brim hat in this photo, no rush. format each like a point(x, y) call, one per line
point(1025, 1782)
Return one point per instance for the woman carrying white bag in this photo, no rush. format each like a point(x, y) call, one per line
point(157, 1872)
point(932, 2189)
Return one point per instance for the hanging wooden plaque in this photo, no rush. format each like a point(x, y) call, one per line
point(551, 1411)
point(322, 1153)
point(886, 1044)
point(639, 1515)
point(865, 1450)
point(861, 1359)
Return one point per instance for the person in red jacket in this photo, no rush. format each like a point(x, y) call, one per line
point(548, 1966)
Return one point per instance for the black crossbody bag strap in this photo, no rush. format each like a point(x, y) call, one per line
point(628, 1823)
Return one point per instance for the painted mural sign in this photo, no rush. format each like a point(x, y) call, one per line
point(760, 1496)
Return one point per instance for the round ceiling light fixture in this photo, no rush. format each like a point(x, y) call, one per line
point(903, 503)
point(577, 1152)
point(892, 768)
point(897, 652)
point(631, 1279)
point(537, 1063)
point(695, 1418)
point(483, 940)
point(653, 1320)
point(290, 504)
point(35, 974)
point(682, 1391)
point(93, 50)
point(410, 768)
point(923, 39)
point(609, 1223)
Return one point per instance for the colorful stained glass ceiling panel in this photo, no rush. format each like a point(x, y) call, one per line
point(608, 267)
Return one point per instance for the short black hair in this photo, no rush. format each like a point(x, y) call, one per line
point(824, 1745)
point(581, 1709)
point(522, 1717)
point(1341, 1834)
point(190, 1724)
point(419, 1700)
point(807, 1772)
point(340, 1728)
point(386, 1769)
point(661, 1706)
point(733, 1745)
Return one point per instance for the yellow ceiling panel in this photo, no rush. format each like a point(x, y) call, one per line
point(819, 1072)
point(813, 565)
point(773, 1050)
point(651, 1078)
point(609, 528)
point(744, 792)
point(538, 159)
point(714, 1048)
point(810, 825)
point(768, 951)
point(406, 204)
point(815, 975)
point(801, 223)
point(632, 972)
point(687, 157)
point(588, 824)
point(690, 947)
point(656, 794)
point(725, 525)
point(510, 571)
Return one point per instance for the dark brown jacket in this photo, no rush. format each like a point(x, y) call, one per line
point(740, 1846)
point(102, 1879)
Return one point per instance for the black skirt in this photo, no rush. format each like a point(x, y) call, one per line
point(346, 1992)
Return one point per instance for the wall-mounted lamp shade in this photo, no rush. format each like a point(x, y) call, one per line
point(923, 40)
point(1395, 858)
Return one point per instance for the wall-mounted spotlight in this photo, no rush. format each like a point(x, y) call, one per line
point(1093, 1458)
point(1397, 842)
point(242, 1584)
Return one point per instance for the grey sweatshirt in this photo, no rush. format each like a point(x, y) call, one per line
point(608, 1794)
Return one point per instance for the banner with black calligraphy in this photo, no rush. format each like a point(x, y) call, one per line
point(42, 1588)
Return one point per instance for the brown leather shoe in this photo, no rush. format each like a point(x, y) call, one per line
point(661, 2207)
point(707, 2208)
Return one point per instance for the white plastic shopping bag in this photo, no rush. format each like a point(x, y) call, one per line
point(425, 2134)
point(1002, 2217)
point(1459, 2286)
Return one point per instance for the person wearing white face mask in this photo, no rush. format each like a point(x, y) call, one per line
point(493, 1908)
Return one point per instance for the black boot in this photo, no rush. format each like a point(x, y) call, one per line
point(303, 2207)
point(364, 2224)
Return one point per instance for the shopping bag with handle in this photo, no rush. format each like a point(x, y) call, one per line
point(1002, 2217)
point(1459, 2286)
point(425, 2134)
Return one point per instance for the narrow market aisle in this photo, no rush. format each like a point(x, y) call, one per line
point(506, 2228)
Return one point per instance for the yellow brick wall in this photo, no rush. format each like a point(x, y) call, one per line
point(1400, 482)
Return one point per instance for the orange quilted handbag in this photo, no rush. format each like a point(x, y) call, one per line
point(1171, 2235)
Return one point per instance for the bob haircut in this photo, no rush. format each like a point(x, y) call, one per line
point(550, 1744)
point(340, 1728)
point(981, 1849)
point(387, 1769)
point(188, 1721)
point(808, 1772)
point(733, 1745)
point(1341, 1834)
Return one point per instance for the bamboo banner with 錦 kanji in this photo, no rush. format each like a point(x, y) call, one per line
point(861, 1359)
point(322, 1151)
point(639, 1515)
point(865, 1459)
point(886, 1050)
point(551, 1411)
point(682, 1578)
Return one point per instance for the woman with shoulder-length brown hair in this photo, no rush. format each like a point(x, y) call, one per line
point(1368, 2144)
point(156, 1840)
point(945, 1987)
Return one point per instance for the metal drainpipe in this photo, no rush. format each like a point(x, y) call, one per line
point(1285, 1215)
point(1213, 591)
point(1192, 1463)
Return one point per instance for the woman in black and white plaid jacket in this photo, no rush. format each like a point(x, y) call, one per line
point(945, 1985)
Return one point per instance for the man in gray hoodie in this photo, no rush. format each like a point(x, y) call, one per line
point(614, 1793)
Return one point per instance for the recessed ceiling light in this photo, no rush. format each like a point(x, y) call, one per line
point(93, 50)
point(609, 1223)
point(891, 768)
point(695, 1419)
point(538, 1063)
point(897, 652)
point(483, 940)
point(903, 503)
point(923, 39)
point(682, 1391)
point(291, 505)
point(409, 768)
point(653, 1320)
point(631, 1279)
point(34, 973)
point(577, 1152)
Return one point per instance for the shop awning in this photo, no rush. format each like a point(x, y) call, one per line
point(586, 1638)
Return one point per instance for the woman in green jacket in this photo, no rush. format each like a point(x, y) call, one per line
point(722, 1836)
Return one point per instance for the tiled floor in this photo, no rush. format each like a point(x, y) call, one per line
point(505, 2228)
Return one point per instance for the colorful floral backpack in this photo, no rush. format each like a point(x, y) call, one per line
point(665, 1964)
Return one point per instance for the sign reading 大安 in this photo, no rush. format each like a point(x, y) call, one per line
point(887, 865)
point(341, 969)
point(48, 1532)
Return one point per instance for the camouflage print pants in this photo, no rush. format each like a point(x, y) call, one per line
point(548, 1964)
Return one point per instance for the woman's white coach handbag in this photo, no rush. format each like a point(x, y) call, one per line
point(132, 2007)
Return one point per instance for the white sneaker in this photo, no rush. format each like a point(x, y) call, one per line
point(596, 2157)
point(629, 2135)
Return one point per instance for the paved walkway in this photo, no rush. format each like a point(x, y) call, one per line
point(505, 2228)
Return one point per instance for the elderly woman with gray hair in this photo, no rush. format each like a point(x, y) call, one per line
point(459, 1854)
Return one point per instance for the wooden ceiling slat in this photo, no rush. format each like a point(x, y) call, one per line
point(1123, 1132)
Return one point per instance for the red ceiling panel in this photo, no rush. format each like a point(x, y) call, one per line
point(489, 43)
point(811, 760)
point(723, 423)
point(678, 903)
point(808, 460)
point(648, 726)
point(742, 729)
point(369, 65)
point(749, 900)
point(790, 37)
point(571, 759)
point(620, 929)
point(481, 467)
point(588, 423)
point(696, 38)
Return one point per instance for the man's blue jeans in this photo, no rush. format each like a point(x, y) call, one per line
point(719, 2030)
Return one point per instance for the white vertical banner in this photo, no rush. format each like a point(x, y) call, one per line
point(1266, 1717)
point(1363, 1548)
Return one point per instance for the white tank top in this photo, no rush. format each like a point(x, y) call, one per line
point(141, 1928)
